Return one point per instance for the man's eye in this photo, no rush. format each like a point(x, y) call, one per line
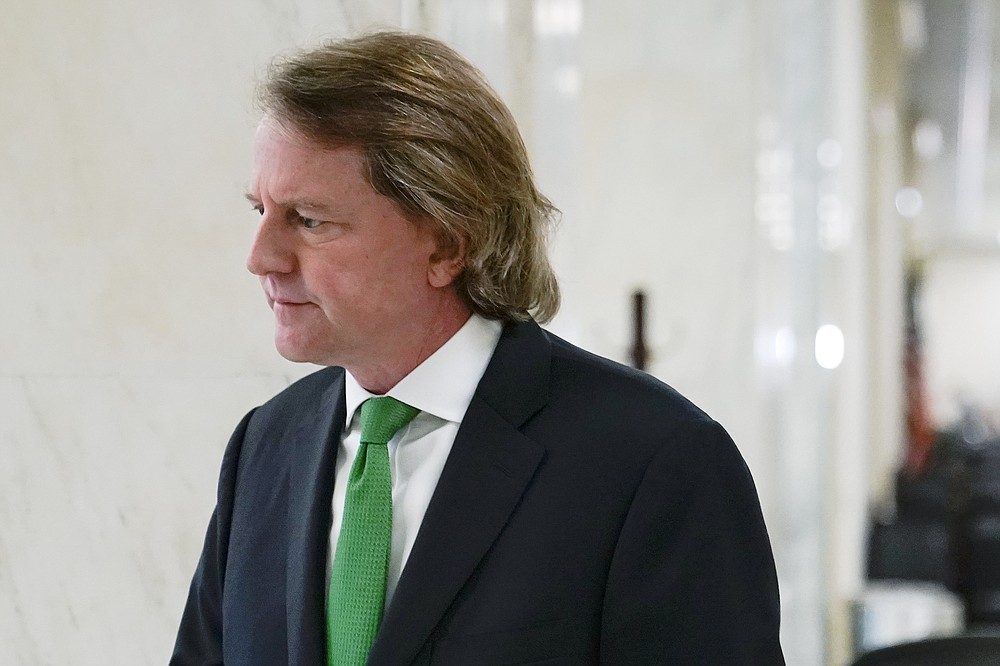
point(259, 209)
point(309, 223)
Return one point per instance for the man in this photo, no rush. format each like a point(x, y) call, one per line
point(547, 506)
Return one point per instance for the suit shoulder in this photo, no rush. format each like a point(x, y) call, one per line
point(618, 387)
point(609, 417)
point(308, 387)
point(299, 400)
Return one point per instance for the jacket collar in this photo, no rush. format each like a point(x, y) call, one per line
point(309, 514)
point(490, 466)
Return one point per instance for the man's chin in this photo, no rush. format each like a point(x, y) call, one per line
point(294, 358)
point(294, 352)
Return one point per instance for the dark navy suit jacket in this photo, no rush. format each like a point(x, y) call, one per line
point(587, 514)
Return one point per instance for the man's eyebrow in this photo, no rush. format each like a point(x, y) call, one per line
point(308, 204)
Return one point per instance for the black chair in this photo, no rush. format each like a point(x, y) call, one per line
point(981, 557)
point(952, 651)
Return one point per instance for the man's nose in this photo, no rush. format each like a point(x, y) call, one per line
point(271, 251)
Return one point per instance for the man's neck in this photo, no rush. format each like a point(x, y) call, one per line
point(384, 373)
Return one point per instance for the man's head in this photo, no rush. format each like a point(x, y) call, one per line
point(437, 141)
point(351, 280)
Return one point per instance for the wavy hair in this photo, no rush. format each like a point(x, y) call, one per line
point(440, 143)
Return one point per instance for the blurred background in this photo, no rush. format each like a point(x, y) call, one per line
point(805, 192)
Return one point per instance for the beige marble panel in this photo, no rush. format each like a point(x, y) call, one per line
point(666, 196)
point(132, 338)
point(107, 487)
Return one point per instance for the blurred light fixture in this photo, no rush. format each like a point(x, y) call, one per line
point(775, 347)
point(558, 17)
point(833, 234)
point(567, 80)
point(829, 346)
point(928, 139)
point(909, 201)
point(784, 346)
point(913, 25)
point(774, 207)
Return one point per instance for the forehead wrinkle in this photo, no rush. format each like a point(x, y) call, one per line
point(289, 170)
point(284, 189)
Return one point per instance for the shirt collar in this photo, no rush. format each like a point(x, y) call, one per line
point(443, 385)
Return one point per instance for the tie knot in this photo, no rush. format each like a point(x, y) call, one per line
point(382, 417)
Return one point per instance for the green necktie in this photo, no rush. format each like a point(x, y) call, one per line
point(357, 580)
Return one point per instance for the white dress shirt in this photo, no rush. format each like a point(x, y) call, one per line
point(441, 388)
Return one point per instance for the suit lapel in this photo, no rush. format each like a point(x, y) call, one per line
point(310, 491)
point(490, 466)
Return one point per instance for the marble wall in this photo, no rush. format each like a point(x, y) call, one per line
point(134, 340)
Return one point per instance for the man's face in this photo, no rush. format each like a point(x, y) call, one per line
point(347, 276)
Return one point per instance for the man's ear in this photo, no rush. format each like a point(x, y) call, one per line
point(447, 263)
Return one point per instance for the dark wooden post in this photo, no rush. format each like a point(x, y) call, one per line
point(639, 352)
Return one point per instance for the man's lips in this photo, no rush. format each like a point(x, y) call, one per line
point(284, 301)
point(275, 297)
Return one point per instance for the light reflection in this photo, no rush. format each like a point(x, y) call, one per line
point(558, 17)
point(909, 201)
point(913, 25)
point(928, 139)
point(775, 347)
point(567, 80)
point(832, 227)
point(784, 346)
point(774, 207)
point(829, 346)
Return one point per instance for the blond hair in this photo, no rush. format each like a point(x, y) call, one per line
point(440, 143)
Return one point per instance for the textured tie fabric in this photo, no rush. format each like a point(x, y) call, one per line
point(360, 565)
